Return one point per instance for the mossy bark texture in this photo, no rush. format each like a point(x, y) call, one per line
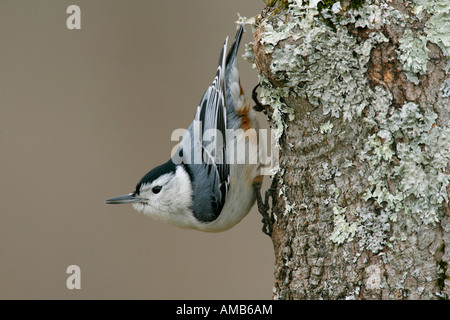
point(359, 98)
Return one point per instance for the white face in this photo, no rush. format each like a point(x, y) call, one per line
point(155, 194)
point(168, 198)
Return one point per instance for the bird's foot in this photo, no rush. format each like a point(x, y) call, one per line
point(258, 105)
point(263, 207)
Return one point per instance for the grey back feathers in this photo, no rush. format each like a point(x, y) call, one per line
point(216, 111)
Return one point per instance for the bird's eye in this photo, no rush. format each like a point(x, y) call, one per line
point(156, 189)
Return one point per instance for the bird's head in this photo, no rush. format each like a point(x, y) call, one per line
point(164, 193)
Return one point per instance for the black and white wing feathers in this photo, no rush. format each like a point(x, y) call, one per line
point(211, 177)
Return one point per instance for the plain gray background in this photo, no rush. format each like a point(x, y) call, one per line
point(84, 114)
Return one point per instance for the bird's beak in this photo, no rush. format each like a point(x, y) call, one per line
point(128, 198)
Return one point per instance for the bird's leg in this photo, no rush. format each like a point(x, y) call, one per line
point(258, 106)
point(263, 207)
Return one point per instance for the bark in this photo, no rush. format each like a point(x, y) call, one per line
point(357, 93)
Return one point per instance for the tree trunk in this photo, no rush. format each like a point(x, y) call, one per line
point(357, 93)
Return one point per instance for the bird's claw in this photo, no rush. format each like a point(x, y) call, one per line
point(258, 106)
point(263, 208)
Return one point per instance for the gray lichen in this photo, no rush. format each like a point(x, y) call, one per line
point(326, 127)
point(343, 231)
point(421, 163)
point(438, 24)
point(328, 68)
point(385, 190)
point(413, 52)
point(324, 61)
point(445, 89)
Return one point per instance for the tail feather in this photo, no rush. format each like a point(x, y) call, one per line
point(234, 98)
point(234, 48)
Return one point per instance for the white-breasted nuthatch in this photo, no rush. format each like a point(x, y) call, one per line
point(204, 186)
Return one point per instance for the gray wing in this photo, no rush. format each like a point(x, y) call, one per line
point(210, 176)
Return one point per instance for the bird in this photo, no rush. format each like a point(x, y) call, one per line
point(204, 186)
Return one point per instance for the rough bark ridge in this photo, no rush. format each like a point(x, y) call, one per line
point(358, 96)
